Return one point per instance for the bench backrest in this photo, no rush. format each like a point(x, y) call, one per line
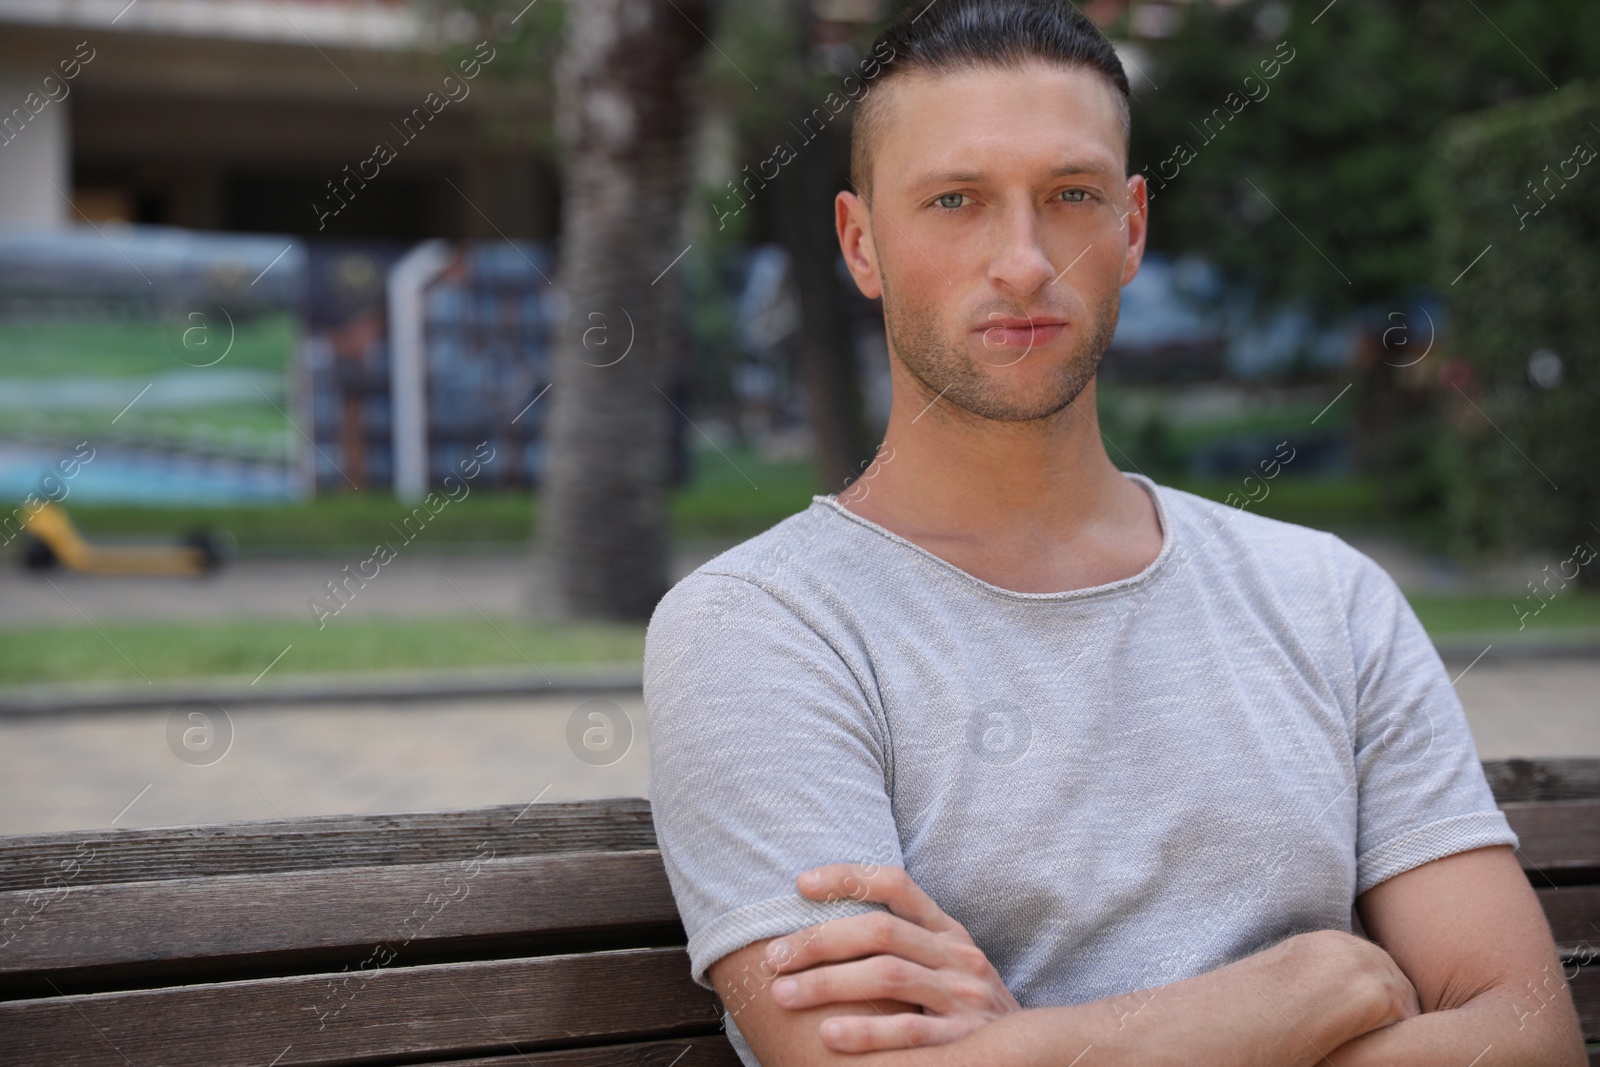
point(543, 934)
point(448, 937)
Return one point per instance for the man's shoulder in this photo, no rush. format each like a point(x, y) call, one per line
point(1236, 537)
point(773, 565)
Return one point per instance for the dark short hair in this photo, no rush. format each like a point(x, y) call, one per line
point(953, 36)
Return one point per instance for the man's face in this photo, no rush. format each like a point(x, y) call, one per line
point(999, 233)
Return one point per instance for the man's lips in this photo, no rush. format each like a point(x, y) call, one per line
point(1020, 333)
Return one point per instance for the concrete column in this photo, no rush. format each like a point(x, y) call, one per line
point(35, 152)
point(408, 363)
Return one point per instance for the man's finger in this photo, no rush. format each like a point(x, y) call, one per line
point(878, 978)
point(860, 936)
point(875, 1033)
point(880, 885)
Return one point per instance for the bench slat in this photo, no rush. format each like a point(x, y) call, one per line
point(432, 1012)
point(1557, 836)
point(1586, 995)
point(320, 842)
point(320, 920)
point(1573, 912)
point(695, 1052)
point(1543, 779)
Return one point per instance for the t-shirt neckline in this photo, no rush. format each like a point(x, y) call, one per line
point(1121, 585)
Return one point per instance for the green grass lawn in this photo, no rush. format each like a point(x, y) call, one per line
point(242, 649)
point(1344, 503)
point(731, 498)
point(1445, 615)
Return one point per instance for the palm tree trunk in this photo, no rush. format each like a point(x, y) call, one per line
point(827, 344)
point(623, 107)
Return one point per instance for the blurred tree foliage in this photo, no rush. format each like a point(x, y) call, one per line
point(757, 35)
point(1319, 187)
point(1298, 149)
point(1520, 185)
point(527, 41)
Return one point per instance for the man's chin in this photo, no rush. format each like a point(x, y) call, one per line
point(1017, 405)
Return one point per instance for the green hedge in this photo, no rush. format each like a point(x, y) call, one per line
point(1537, 287)
point(734, 495)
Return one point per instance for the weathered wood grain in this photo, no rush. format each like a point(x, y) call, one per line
point(1543, 779)
point(1557, 837)
point(399, 1014)
point(1586, 995)
point(695, 1052)
point(1573, 912)
point(329, 841)
point(309, 916)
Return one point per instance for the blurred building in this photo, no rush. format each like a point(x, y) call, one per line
point(240, 116)
point(180, 129)
point(413, 359)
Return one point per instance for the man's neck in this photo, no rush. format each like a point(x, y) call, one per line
point(1029, 506)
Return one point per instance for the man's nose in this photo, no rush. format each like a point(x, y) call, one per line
point(1020, 262)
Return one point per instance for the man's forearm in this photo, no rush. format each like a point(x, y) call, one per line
point(1470, 929)
point(1287, 1006)
point(1534, 1026)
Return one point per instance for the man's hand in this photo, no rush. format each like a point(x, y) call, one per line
point(915, 954)
point(1384, 990)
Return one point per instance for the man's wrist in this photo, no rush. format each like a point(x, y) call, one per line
point(1351, 985)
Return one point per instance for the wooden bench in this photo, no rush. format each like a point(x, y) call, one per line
point(543, 935)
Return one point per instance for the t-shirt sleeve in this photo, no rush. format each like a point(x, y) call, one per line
point(1422, 791)
point(766, 759)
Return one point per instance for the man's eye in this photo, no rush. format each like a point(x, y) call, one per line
point(1075, 196)
point(950, 200)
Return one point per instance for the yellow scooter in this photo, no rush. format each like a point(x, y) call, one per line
point(54, 540)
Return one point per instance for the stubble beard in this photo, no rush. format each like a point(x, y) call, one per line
point(948, 371)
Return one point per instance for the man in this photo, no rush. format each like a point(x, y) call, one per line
point(1003, 756)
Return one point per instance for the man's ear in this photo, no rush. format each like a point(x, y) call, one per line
point(853, 222)
point(1137, 219)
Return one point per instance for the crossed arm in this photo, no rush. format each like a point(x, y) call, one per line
point(1467, 973)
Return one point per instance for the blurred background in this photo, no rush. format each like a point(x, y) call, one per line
point(369, 368)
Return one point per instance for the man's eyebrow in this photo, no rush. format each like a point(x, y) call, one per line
point(1068, 169)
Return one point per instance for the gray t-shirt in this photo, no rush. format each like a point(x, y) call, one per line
point(1111, 788)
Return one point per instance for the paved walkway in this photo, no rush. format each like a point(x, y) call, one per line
point(1533, 708)
point(80, 771)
